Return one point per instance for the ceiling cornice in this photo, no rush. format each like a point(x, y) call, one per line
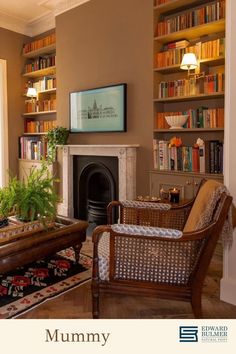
point(60, 6)
point(13, 23)
point(42, 23)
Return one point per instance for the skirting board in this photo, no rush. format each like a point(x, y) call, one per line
point(228, 290)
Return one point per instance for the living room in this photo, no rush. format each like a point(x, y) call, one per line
point(103, 43)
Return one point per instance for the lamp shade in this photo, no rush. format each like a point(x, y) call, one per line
point(31, 92)
point(189, 62)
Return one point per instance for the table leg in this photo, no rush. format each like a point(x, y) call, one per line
point(77, 249)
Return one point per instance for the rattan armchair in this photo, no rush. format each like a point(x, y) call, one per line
point(145, 259)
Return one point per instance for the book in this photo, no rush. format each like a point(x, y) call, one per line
point(202, 166)
point(195, 159)
point(155, 153)
point(163, 154)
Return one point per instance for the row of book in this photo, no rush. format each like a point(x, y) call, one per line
point(195, 17)
point(178, 88)
point(172, 53)
point(46, 83)
point(212, 49)
point(207, 158)
point(32, 148)
point(212, 83)
point(40, 63)
point(39, 43)
point(202, 117)
point(42, 126)
point(32, 106)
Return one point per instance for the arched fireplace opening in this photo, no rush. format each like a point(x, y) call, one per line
point(95, 185)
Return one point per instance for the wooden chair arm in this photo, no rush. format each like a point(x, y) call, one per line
point(175, 217)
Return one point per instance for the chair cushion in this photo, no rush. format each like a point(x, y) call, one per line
point(201, 206)
point(104, 242)
point(145, 205)
point(146, 230)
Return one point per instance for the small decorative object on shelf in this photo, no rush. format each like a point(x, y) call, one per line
point(164, 194)
point(177, 121)
point(174, 195)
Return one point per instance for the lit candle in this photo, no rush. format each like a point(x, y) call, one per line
point(174, 195)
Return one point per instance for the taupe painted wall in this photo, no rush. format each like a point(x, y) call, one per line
point(105, 42)
point(11, 49)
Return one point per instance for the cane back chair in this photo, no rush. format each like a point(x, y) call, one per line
point(160, 251)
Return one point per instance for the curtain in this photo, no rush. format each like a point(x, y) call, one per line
point(3, 124)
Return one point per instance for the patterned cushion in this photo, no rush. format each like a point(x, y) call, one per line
point(145, 205)
point(146, 230)
point(204, 205)
point(104, 256)
point(104, 242)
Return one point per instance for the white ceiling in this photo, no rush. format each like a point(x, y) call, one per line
point(32, 17)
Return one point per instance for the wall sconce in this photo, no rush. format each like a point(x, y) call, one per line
point(32, 93)
point(189, 62)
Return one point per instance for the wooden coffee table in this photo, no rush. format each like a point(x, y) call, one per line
point(23, 243)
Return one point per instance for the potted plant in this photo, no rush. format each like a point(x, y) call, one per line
point(35, 197)
point(5, 205)
point(56, 136)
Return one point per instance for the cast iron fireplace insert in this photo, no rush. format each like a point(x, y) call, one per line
point(95, 182)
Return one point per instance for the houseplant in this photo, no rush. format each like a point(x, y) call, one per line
point(5, 205)
point(32, 198)
point(56, 136)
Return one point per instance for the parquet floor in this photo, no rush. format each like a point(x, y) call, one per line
point(76, 304)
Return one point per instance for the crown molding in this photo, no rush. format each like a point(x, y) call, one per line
point(13, 23)
point(42, 23)
point(60, 6)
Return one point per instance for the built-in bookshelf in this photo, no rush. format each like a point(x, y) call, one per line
point(182, 27)
point(32, 148)
point(39, 112)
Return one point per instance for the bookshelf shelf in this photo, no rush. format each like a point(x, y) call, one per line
point(191, 33)
point(188, 130)
point(33, 134)
point(51, 70)
point(190, 98)
point(44, 50)
point(179, 164)
point(213, 61)
point(28, 160)
point(47, 91)
point(172, 5)
point(38, 113)
point(193, 174)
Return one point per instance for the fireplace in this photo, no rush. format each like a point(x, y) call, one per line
point(95, 184)
point(124, 177)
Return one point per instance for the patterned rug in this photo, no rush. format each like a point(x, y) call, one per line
point(28, 286)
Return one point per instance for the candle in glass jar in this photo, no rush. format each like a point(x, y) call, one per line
point(174, 195)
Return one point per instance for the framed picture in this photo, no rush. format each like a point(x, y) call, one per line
point(98, 110)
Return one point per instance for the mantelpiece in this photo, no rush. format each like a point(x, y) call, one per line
point(126, 155)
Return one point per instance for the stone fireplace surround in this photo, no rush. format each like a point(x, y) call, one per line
point(126, 155)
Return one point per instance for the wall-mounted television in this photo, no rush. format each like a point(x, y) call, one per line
point(101, 109)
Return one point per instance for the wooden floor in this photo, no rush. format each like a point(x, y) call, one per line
point(76, 303)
